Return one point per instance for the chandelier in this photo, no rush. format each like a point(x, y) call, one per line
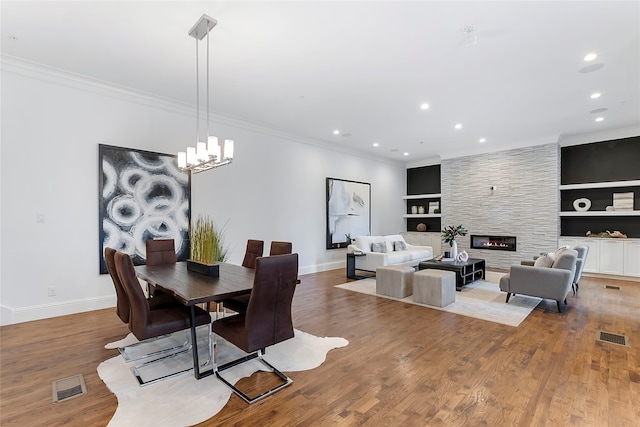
point(210, 154)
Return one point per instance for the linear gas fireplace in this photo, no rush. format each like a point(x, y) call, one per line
point(495, 243)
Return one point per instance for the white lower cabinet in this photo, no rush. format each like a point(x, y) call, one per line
point(593, 257)
point(609, 256)
point(424, 239)
point(632, 258)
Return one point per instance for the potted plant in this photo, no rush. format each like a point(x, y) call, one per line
point(449, 235)
point(207, 247)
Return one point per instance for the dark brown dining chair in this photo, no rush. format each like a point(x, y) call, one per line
point(267, 320)
point(159, 252)
point(255, 249)
point(239, 303)
point(123, 310)
point(280, 248)
point(122, 301)
point(145, 323)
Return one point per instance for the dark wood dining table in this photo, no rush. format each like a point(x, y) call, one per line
point(193, 288)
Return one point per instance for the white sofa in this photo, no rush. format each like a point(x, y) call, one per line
point(410, 256)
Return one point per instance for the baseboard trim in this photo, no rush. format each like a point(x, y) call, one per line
point(9, 315)
point(612, 276)
point(322, 267)
point(45, 311)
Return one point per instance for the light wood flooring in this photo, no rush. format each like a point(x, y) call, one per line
point(405, 365)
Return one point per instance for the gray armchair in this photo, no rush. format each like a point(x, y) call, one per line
point(582, 251)
point(544, 282)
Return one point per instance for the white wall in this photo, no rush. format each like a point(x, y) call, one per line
point(52, 124)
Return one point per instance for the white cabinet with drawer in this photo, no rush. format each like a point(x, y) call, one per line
point(609, 256)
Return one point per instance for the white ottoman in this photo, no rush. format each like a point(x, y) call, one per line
point(434, 287)
point(394, 281)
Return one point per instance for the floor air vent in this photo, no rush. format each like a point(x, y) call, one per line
point(617, 288)
point(68, 388)
point(612, 338)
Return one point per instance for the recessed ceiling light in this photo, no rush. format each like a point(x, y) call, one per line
point(336, 132)
point(458, 126)
point(599, 119)
point(375, 144)
point(590, 56)
point(424, 106)
point(405, 153)
point(483, 140)
point(595, 95)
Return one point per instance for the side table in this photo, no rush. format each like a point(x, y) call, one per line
point(351, 265)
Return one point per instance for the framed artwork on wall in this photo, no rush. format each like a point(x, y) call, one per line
point(142, 195)
point(348, 211)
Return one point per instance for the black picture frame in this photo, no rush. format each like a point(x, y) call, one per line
point(348, 211)
point(142, 195)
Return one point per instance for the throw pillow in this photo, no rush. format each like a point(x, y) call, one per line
point(399, 245)
point(543, 261)
point(379, 247)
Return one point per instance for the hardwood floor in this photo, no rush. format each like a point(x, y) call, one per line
point(405, 365)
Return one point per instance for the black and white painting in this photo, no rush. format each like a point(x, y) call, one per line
point(143, 195)
point(348, 211)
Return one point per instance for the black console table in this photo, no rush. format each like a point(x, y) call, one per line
point(466, 271)
point(351, 266)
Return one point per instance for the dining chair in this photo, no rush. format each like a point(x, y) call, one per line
point(255, 248)
point(239, 303)
point(280, 248)
point(159, 252)
point(123, 310)
point(267, 320)
point(123, 307)
point(146, 323)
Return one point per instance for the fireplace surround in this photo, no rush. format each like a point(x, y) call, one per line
point(494, 243)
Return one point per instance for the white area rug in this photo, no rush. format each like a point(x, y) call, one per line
point(481, 299)
point(182, 400)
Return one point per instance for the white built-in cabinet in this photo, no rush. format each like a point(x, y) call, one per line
point(632, 257)
point(424, 239)
point(609, 256)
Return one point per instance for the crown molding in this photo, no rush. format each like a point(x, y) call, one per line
point(485, 149)
point(81, 82)
point(568, 140)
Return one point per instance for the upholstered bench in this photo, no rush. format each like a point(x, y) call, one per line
point(434, 287)
point(394, 281)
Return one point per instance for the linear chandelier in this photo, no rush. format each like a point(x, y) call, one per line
point(205, 155)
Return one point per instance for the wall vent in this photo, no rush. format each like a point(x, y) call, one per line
point(612, 338)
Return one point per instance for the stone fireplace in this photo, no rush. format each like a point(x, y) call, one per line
point(494, 243)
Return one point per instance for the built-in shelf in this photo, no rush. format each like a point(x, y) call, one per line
point(601, 213)
point(422, 215)
point(421, 196)
point(610, 184)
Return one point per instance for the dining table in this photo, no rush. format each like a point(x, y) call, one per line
point(193, 288)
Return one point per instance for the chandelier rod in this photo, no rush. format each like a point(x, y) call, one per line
point(197, 96)
point(208, 92)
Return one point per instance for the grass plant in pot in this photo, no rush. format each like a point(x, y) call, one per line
point(207, 247)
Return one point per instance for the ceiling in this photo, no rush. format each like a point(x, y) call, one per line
point(516, 76)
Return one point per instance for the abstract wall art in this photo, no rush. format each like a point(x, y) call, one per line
point(142, 195)
point(348, 211)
